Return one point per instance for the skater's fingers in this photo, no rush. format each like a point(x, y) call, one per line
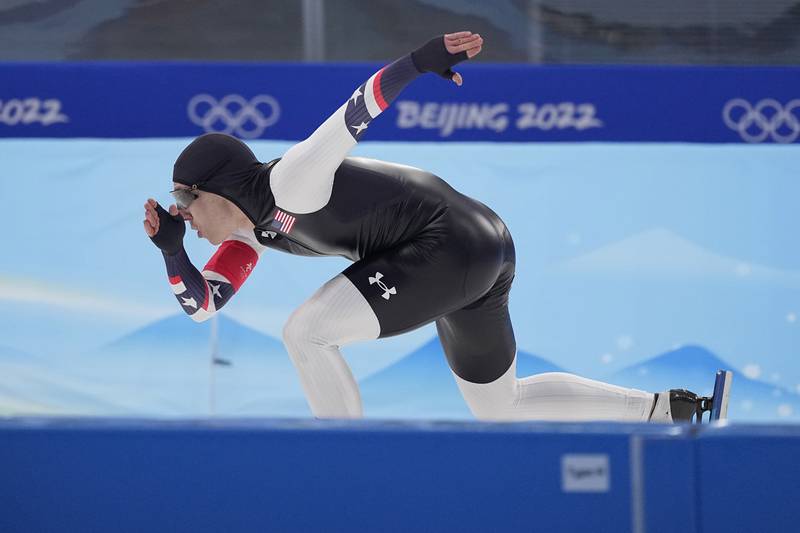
point(456, 35)
point(153, 219)
point(149, 229)
point(475, 51)
point(461, 45)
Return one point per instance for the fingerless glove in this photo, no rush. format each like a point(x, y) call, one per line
point(434, 57)
point(171, 230)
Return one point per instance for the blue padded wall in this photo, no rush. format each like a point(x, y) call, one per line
point(268, 475)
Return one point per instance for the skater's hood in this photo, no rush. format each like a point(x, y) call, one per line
point(224, 165)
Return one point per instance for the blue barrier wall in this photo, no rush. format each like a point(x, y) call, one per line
point(107, 475)
point(496, 103)
point(748, 478)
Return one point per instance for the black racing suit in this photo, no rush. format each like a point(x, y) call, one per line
point(421, 251)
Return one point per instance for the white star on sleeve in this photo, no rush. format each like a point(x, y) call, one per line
point(355, 96)
point(215, 290)
point(361, 127)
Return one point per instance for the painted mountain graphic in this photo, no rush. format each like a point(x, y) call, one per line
point(662, 254)
point(421, 385)
point(10, 355)
point(165, 368)
point(694, 367)
point(29, 386)
point(187, 337)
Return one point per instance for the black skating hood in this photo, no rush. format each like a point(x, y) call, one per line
point(224, 165)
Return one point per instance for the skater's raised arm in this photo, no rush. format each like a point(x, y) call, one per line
point(302, 181)
point(200, 294)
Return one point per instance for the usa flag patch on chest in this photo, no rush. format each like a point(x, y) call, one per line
point(283, 221)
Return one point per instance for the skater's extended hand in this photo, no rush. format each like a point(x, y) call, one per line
point(166, 230)
point(441, 53)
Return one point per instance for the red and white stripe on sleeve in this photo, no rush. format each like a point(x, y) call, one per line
point(202, 294)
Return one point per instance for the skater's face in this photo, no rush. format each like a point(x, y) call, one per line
point(212, 216)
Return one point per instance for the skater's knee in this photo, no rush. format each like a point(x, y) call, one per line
point(489, 401)
point(489, 412)
point(300, 327)
point(492, 411)
point(314, 323)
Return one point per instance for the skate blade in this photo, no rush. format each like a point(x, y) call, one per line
point(722, 391)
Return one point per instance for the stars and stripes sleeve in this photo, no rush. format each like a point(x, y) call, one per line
point(302, 180)
point(201, 294)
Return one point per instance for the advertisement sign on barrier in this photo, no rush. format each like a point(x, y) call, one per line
point(497, 102)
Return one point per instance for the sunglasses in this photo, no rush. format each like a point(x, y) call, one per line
point(184, 197)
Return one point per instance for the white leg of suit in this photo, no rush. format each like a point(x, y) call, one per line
point(338, 314)
point(553, 396)
point(335, 315)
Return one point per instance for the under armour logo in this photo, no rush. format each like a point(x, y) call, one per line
point(387, 291)
point(270, 234)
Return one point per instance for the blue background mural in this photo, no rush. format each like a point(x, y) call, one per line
point(645, 265)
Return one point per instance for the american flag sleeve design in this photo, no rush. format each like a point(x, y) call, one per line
point(373, 96)
point(303, 179)
point(202, 294)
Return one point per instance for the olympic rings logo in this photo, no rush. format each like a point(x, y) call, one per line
point(767, 119)
point(233, 114)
